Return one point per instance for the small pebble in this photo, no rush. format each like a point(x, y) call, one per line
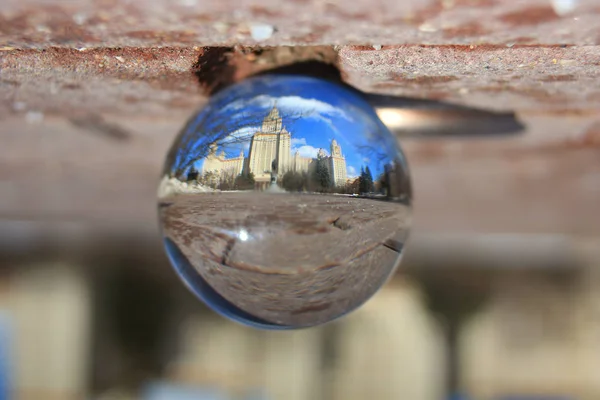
point(427, 28)
point(260, 32)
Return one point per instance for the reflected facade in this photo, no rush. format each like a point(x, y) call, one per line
point(265, 145)
point(285, 202)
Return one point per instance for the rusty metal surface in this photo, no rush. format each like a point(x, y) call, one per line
point(100, 23)
point(92, 93)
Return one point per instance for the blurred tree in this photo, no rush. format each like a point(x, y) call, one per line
point(294, 181)
point(192, 174)
point(321, 175)
point(366, 184)
point(210, 179)
point(227, 182)
point(244, 182)
point(384, 186)
point(370, 186)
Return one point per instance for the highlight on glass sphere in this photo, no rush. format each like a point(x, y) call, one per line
point(285, 202)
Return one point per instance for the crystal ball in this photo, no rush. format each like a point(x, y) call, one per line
point(285, 202)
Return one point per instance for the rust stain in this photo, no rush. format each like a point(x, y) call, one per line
point(538, 94)
point(315, 35)
point(57, 22)
point(438, 7)
point(385, 85)
point(591, 138)
point(147, 34)
point(362, 48)
point(198, 17)
point(71, 86)
point(331, 8)
point(461, 48)
point(182, 103)
point(495, 47)
point(523, 40)
point(130, 99)
point(475, 3)
point(57, 57)
point(426, 80)
point(159, 67)
point(534, 15)
point(558, 78)
point(261, 11)
point(433, 95)
point(67, 31)
point(16, 24)
point(470, 29)
point(164, 36)
point(9, 82)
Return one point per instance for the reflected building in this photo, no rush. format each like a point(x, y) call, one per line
point(337, 163)
point(221, 165)
point(302, 164)
point(263, 147)
point(262, 152)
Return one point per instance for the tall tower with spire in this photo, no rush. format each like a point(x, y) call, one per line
point(272, 122)
point(263, 147)
point(337, 164)
point(336, 150)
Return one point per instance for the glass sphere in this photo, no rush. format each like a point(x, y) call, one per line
point(285, 202)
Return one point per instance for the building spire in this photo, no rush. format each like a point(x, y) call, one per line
point(336, 149)
point(273, 121)
point(274, 113)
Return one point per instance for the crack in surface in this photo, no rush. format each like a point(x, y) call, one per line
point(227, 251)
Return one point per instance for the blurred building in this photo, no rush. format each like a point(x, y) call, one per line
point(533, 335)
point(223, 167)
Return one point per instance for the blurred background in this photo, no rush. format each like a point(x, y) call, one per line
point(498, 295)
point(506, 317)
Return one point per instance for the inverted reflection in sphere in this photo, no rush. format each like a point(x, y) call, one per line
point(285, 202)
